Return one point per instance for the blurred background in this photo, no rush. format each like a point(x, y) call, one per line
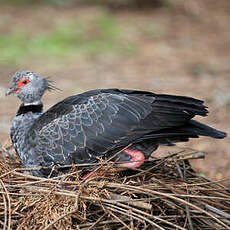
point(166, 46)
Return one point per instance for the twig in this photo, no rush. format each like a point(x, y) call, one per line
point(122, 198)
point(117, 218)
point(96, 222)
point(9, 204)
point(5, 212)
point(61, 217)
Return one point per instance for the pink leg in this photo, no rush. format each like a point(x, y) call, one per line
point(136, 161)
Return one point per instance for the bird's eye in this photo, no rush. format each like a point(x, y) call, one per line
point(24, 82)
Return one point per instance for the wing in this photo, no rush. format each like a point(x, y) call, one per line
point(84, 127)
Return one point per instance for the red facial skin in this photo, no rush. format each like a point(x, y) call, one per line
point(21, 84)
point(136, 161)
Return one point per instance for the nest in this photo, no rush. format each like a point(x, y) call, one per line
point(165, 194)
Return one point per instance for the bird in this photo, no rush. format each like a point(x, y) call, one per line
point(127, 125)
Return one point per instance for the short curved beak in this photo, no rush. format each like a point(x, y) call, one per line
point(9, 91)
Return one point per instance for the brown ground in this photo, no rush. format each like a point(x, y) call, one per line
point(189, 56)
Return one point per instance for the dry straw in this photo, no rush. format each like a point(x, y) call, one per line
point(166, 194)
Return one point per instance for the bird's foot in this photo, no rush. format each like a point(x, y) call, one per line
point(137, 159)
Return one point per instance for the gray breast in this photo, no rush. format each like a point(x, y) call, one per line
point(18, 131)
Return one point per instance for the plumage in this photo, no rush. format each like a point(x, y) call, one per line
point(98, 123)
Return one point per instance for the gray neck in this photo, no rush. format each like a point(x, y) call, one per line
point(21, 126)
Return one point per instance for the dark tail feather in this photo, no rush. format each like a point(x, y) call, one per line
point(200, 129)
point(189, 104)
point(193, 129)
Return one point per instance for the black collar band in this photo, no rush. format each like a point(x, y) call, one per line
point(29, 108)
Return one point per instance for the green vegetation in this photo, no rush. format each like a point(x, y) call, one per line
point(66, 40)
point(202, 175)
point(110, 3)
point(19, 2)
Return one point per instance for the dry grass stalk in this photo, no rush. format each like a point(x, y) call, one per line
point(166, 194)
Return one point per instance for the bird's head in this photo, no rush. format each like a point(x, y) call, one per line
point(28, 86)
